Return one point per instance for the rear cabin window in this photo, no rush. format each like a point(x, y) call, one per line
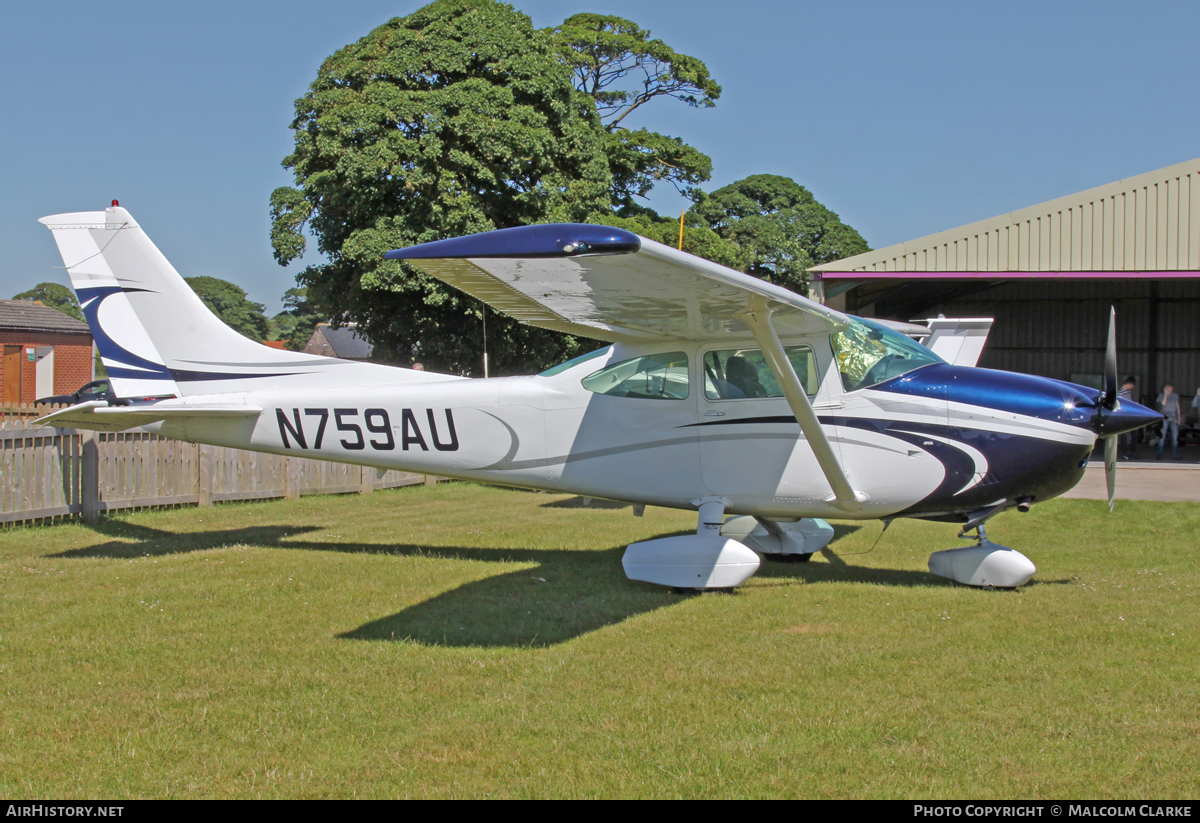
point(734, 374)
point(653, 377)
point(573, 362)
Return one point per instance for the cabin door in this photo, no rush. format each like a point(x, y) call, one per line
point(751, 447)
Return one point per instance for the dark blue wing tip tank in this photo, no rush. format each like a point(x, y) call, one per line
point(543, 240)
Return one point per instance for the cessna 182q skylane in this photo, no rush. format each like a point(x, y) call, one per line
point(720, 393)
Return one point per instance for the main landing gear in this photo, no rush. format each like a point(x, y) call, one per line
point(780, 542)
point(722, 553)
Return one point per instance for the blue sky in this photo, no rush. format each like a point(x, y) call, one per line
point(905, 118)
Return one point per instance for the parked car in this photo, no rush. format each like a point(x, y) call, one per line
point(96, 390)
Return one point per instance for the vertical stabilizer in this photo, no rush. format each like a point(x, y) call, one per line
point(135, 366)
point(157, 338)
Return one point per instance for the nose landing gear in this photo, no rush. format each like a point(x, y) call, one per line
point(984, 564)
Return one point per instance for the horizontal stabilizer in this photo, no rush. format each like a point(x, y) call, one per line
point(97, 415)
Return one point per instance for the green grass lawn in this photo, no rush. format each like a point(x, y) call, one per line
point(461, 640)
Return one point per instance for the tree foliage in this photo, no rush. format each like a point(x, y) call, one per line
point(456, 119)
point(228, 302)
point(616, 63)
point(462, 118)
point(298, 320)
point(621, 69)
point(779, 227)
point(54, 295)
point(638, 160)
point(698, 239)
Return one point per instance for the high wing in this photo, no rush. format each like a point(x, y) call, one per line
point(613, 285)
point(609, 284)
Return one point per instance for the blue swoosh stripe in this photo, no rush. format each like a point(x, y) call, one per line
point(110, 350)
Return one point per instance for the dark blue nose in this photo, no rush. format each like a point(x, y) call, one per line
point(1026, 394)
point(1126, 417)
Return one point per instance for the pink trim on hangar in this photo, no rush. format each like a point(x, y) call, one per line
point(1007, 275)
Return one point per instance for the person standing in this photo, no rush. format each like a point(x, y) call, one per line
point(1168, 404)
point(1128, 439)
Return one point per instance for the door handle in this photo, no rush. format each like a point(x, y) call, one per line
point(713, 413)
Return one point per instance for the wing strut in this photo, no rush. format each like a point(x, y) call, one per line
point(758, 317)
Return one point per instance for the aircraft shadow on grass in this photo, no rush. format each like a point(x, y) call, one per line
point(568, 593)
point(160, 542)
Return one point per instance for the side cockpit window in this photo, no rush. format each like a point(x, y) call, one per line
point(653, 377)
point(733, 374)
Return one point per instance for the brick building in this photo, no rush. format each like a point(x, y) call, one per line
point(45, 352)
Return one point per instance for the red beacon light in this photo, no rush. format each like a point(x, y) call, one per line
point(115, 203)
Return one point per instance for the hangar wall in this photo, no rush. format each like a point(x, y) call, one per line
point(1058, 328)
point(1048, 273)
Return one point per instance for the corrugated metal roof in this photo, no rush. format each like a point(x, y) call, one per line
point(26, 314)
point(1146, 223)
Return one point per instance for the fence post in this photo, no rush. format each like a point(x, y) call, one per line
point(204, 487)
point(431, 479)
point(89, 477)
point(291, 483)
point(368, 480)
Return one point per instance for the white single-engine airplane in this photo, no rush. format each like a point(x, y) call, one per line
point(720, 392)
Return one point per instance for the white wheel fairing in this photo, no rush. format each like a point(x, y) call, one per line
point(690, 561)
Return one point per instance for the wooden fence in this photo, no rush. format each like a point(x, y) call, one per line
point(52, 472)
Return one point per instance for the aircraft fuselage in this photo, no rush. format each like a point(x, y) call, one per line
point(932, 442)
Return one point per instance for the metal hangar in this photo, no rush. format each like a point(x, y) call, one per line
point(1048, 274)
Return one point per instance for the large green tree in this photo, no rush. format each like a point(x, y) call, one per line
point(54, 295)
point(698, 239)
point(618, 65)
point(229, 302)
point(458, 118)
point(779, 227)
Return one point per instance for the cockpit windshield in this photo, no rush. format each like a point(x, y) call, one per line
point(869, 353)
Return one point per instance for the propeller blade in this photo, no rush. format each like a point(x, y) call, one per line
point(1110, 468)
point(1110, 363)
